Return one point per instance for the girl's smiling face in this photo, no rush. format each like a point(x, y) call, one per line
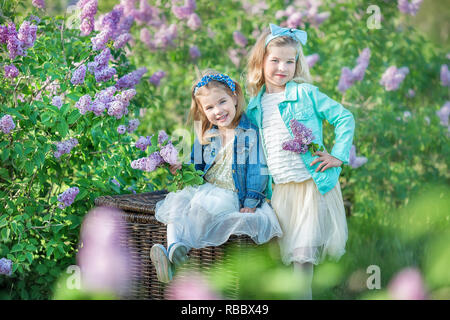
point(218, 106)
point(279, 67)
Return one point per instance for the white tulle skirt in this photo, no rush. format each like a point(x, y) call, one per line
point(314, 225)
point(207, 215)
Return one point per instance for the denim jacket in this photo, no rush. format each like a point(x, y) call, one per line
point(305, 103)
point(247, 166)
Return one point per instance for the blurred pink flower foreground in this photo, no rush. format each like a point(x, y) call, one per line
point(407, 285)
point(103, 261)
point(191, 286)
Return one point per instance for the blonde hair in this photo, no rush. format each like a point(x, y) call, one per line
point(197, 114)
point(255, 64)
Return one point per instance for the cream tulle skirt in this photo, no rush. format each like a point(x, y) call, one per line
point(314, 225)
point(208, 215)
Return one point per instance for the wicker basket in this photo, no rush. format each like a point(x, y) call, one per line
point(144, 231)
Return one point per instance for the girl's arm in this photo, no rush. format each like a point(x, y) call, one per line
point(342, 120)
point(256, 179)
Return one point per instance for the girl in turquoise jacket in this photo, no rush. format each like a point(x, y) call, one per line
point(306, 195)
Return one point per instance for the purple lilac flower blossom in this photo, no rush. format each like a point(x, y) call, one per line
point(78, 75)
point(5, 267)
point(149, 163)
point(194, 22)
point(407, 285)
point(84, 104)
point(103, 259)
point(121, 129)
point(194, 52)
point(67, 197)
point(113, 180)
point(303, 137)
point(117, 109)
point(444, 113)
point(410, 8)
point(240, 39)
point(354, 161)
point(13, 43)
point(156, 77)
point(162, 136)
point(169, 153)
point(393, 77)
point(445, 76)
point(143, 142)
point(132, 125)
point(183, 12)
point(7, 124)
point(131, 79)
point(311, 60)
point(11, 71)
point(57, 101)
point(40, 4)
point(122, 40)
point(65, 147)
point(27, 34)
point(346, 80)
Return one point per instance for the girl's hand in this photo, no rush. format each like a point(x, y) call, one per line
point(328, 161)
point(248, 210)
point(174, 167)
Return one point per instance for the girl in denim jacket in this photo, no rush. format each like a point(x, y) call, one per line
point(232, 199)
point(306, 196)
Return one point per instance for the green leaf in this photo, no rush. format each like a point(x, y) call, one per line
point(73, 117)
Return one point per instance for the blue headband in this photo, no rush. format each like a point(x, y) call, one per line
point(217, 77)
point(297, 35)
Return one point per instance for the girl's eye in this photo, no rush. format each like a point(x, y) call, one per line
point(274, 60)
point(290, 62)
point(223, 101)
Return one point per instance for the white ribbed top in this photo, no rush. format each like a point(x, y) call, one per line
point(284, 166)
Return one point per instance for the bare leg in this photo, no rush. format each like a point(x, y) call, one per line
point(306, 271)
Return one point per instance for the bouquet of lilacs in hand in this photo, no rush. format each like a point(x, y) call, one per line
point(163, 154)
point(303, 139)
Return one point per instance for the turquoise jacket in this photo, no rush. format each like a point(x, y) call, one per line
point(304, 102)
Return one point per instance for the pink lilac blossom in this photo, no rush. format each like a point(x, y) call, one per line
point(98, 107)
point(303, 137)
point(117, 109)
point(194, 52)
point(87, 16)
point(255, 8)
point(311, 60)
point(11, 71)
point(103, 258)
point(164, 37)
point(149, 163)
point(349, 77)
point(40, 4)
point(78, 75)
point(5, 266)
point(444, 113)
point(132, 125)
point(27, 34)
point(121, 129)
point(131, 79)
point(57, 101)
point(169, 153)
point(407, 285)
point(240, 39)
point(192, 286)
point(346, 80)
point(13, 43)
point(67, 197)
point(183, 12)
point(162, 137)
point(65, 147)
point(143, 142)
point(84, 104)
point(294, 20)
point(354, 161)
point(194, 22)
point(156, 77)
point(122, 40)
point(393, 77)
point(410, 8)
point(7, 124)
point(445, 76)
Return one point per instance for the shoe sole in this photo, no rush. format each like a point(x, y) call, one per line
point(178, 255)
point(161, 262)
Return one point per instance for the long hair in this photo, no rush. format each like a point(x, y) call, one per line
point(255, 64)
point(196, 114)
